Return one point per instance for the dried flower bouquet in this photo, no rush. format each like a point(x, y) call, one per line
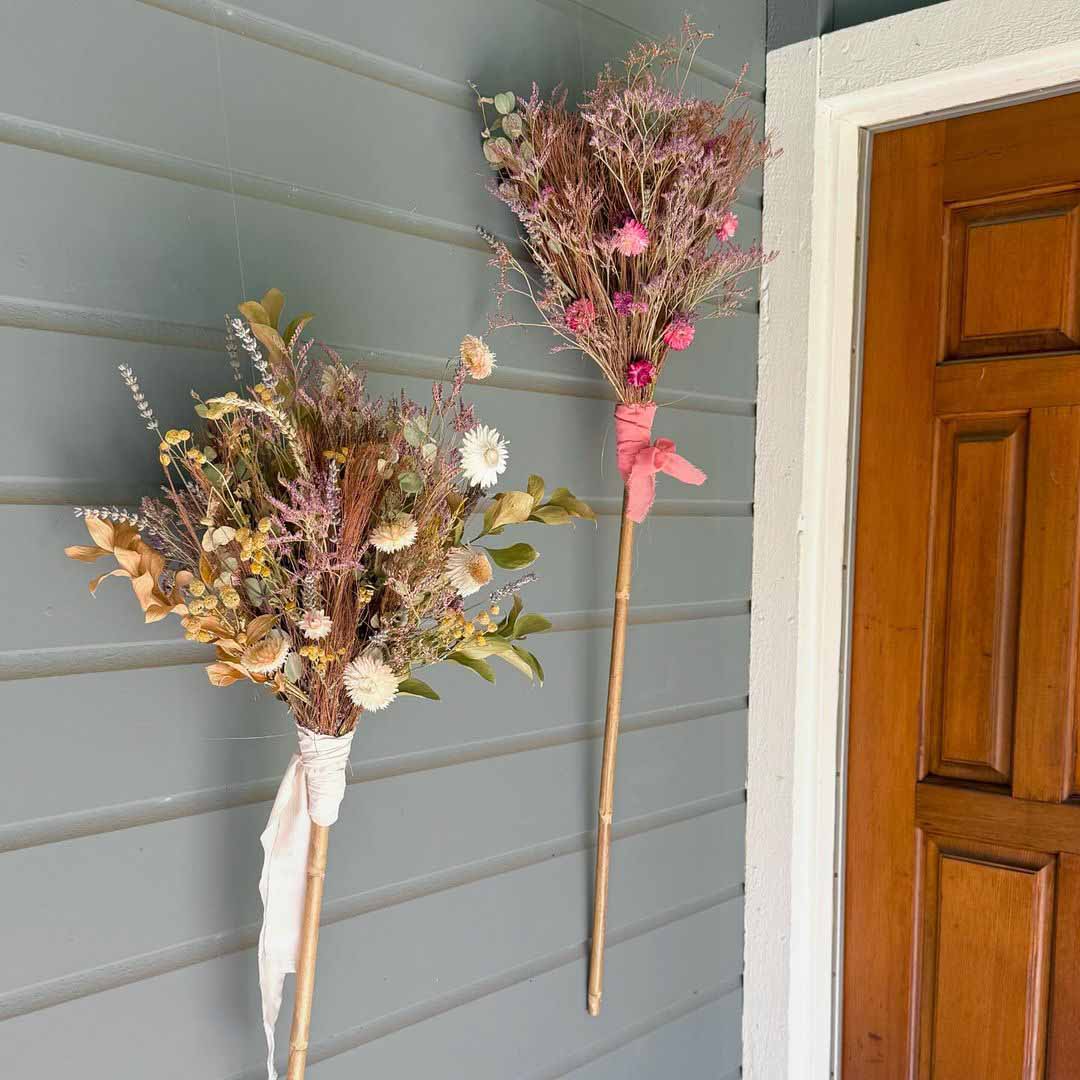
point(627, 213)
point(316, 537)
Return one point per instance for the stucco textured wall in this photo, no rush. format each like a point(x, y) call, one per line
point(159, 161)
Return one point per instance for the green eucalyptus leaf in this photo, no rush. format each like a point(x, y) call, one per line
point(513, 125)
point(414, 432)
point(417, 688)
point(532, 661)
point(273, 303)
point(551, 515)
point(481, 667)
point(504, 102)
point(531, 624)
point(526, 150)
point(429, 450)
point(511, 657)
point(294, 667)
point(514, 557)
point(411, 483)
point(510, 508)
point(571, 504)
point(297, 326)
point(506, 626)
point(255, 589)
point(202, 410)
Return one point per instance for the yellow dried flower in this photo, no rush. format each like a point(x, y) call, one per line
point(163, 447)
point(265, 525)
point(210, 602)
point(196, 588)
point(205, 637)
point(470, 629)
point(364, 594)
point(230, 597)
point(494, 611)
point(165, 460)
point(484, 619)
point(175, 437)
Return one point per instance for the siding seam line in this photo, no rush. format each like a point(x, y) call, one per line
point(70, 491)
point(164, 165)
point(312, 45)
point(676, 1011)
point(64, 660)
point(111, 976)
point(54, 317)
point(354, 1038)
point(705, 68)
point(98, 821)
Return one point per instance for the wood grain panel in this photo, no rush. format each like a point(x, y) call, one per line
point(1000, 152)
point(1011, 280)
point(974, 580)
point(1000, 385)
point(1063, 1051)
point(1046, 681)
point(988, 815)
point(987, 918)
point(889, 606)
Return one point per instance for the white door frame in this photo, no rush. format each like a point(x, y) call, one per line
point(822, 96)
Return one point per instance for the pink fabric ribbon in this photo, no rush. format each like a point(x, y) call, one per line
point(640, 460)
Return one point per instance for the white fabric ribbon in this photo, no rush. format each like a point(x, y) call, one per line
point(311, 790)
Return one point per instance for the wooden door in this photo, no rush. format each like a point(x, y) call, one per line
point(962, 889)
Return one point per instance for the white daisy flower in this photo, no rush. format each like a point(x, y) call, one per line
point(316, 624)
point(483, 456)
point(394, 535)
point(268, 654)
point(477, 356)
point(370, 681)
point(467, 570)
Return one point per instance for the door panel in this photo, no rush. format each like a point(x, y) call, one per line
point(974, 579)
point(985, 961)
point(962, 886)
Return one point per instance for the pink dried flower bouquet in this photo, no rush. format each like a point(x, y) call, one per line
point(626, 210)
point(626, 207)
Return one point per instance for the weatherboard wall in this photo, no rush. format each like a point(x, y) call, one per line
point(160, 161)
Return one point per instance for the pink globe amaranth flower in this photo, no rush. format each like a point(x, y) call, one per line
point(679, 333)
point(631, 238)
point(625, 304)
point(729, 225)
point(580, 315)
point(640, 372)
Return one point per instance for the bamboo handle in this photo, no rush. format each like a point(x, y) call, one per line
point(309, 945)
point(607, 771)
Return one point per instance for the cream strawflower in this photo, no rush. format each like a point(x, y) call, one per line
point(316, 624)
point(483, 456)
point(268, 654)
point(477, 356)
point(394, 535)
point(467, 570)
point(370, 681)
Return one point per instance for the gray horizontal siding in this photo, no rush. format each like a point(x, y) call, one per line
point(158, 160)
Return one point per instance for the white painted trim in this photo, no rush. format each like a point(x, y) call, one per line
point(957, 55)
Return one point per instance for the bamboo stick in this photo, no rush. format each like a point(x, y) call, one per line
point(607, 772)
point(309, 945)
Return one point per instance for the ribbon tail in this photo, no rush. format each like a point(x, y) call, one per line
point(641, 487)
point(285, 842)
point(683, 470)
